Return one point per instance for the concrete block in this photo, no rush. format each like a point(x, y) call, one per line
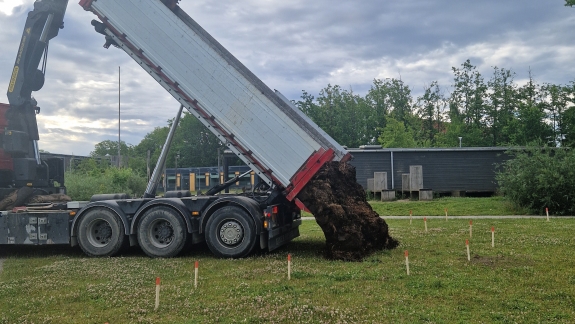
point(425, 194)
point(388, 195)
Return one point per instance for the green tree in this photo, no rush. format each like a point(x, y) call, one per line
point(395, 134)
point(569, 127)
point(129, 157)
point(340, 113)
point(400, 100)
point(528, 124)
point(502, 105)
point(556, 103)
point(153, 142)
point(195, 144)
point(387, 98)
point(569, 3)
point(430, 109)
point(110, 148)
point(377, 100)
point(450, 137)
point(467, 103)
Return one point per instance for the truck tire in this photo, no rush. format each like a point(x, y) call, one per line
point(230, 233)
point(162, 232)
point(100, 232)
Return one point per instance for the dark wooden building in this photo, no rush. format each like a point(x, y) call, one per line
point(445, 170)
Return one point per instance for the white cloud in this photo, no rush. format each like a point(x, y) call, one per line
point(7, 6)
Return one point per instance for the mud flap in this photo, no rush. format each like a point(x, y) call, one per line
point(283, 235)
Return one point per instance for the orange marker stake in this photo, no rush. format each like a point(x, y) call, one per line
point(157, 293)
point(547, 212)
point(407, 261)
point(446, 214)
point(467, 246)
point(492, 236)
point(425, 222)
point(470, 228)
point(196, 275)
point(410, 215)
point(289, 266)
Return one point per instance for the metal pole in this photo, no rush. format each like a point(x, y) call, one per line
point(148, 166)
point(153, 183)
point(119, 141)
point(392, 171)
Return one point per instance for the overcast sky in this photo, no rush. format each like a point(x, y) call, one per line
point(292, 46)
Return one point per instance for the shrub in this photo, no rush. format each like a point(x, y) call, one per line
point(83, 184)
point(537, 178)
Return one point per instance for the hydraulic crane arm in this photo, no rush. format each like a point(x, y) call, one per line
point(42, 24)
point(19, 134)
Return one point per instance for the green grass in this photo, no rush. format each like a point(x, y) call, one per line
point(495, 206)
point(527, 278)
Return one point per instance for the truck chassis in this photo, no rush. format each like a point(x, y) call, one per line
point(231, 225)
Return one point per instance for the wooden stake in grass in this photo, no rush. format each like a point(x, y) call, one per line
point(446, 214)
point(407, 261)
point(547, 212)
point(196, 275)
point(425, 222)
point(289, 266)
point(157, 293)
point(410, 215)
point(492, 236)
point(470, 228)
point(467, 246)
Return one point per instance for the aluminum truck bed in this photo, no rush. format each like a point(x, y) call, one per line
point(264, 129)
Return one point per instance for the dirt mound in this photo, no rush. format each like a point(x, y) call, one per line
point(351, 228)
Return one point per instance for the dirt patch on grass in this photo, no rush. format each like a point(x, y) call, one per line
point(352, 229)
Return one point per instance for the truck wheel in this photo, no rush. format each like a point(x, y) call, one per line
point(230, 233)
point(100, 232)
point(162, 233)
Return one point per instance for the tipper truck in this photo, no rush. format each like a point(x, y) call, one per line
point(264, 129)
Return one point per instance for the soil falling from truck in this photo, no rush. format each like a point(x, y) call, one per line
point(352, 229)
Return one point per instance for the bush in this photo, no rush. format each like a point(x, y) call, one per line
point(537, 178)
point(83, 184)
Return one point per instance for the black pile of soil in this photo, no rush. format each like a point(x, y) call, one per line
point(352, 229)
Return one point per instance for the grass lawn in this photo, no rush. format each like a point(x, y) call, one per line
point(527, 278)
point(492, 206)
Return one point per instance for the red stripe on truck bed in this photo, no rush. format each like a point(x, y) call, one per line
point(86, 4)
point(309, 169)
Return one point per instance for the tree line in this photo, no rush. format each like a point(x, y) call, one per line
point(492, 111)
point(483, 111)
